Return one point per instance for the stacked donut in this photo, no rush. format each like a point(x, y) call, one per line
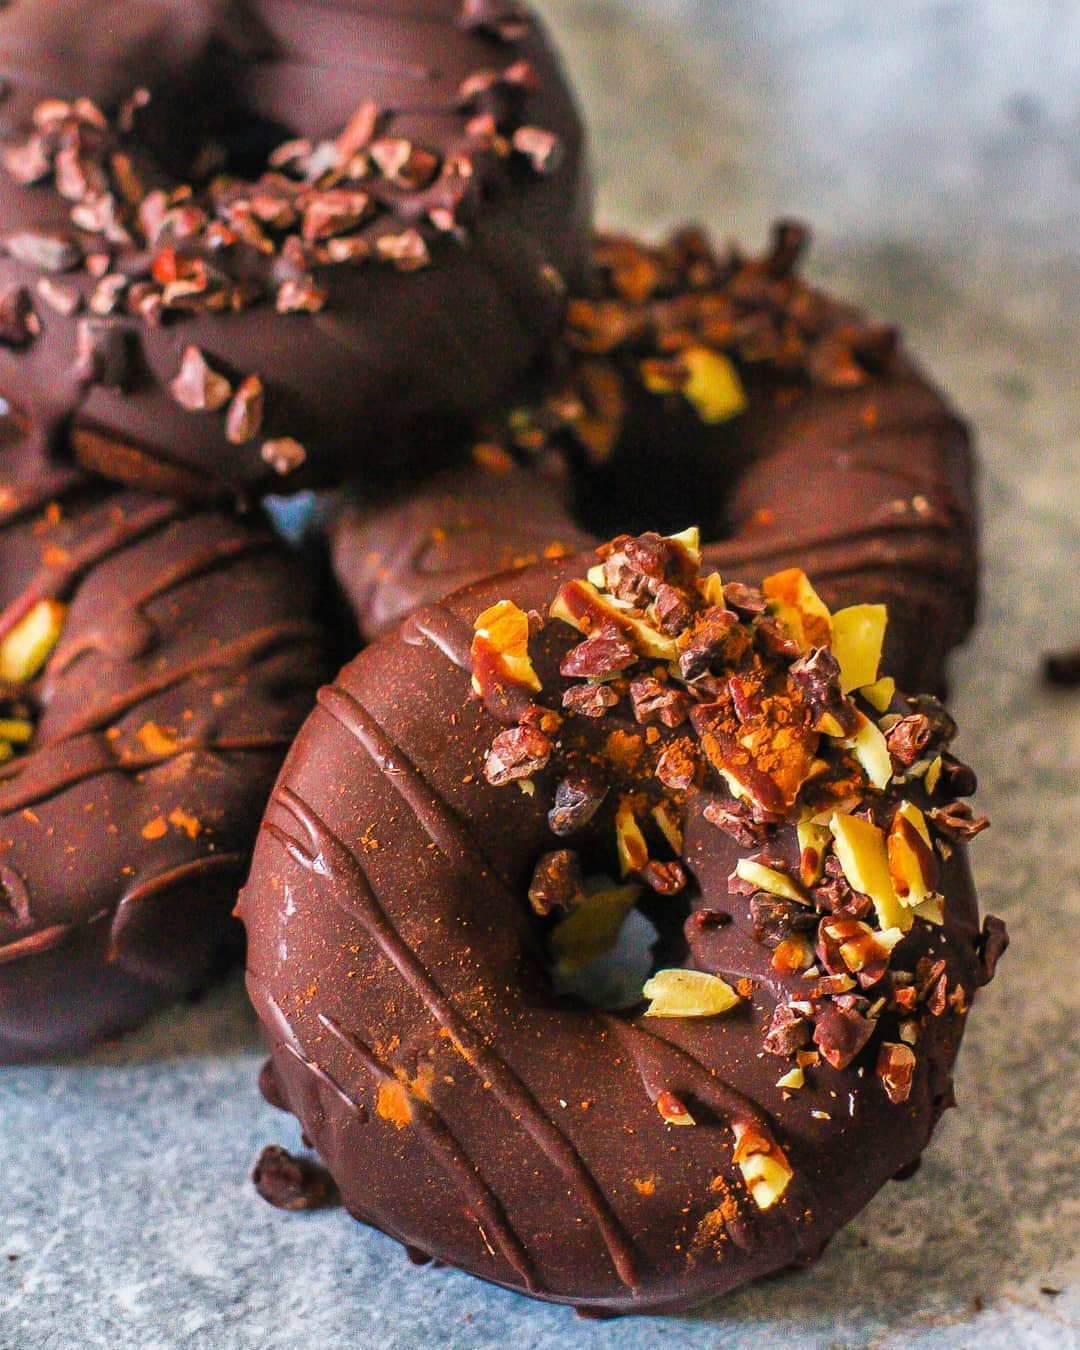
point(350, 247)
point(259, 246)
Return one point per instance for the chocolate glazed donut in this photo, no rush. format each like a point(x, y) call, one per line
point(358, 240)
point(155, 662)
point(723, 390)
point(619, 1162)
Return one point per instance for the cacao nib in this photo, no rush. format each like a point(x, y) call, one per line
point(589, 700)
point(909, 738)
point(709, 643)
point(816, 675)
point(515, 754)
point(746, 601)
point(737, 820)
point(673, 610)
point(656, 702)
point(773, 639)
point(557, 882)
point(840, 1033)
point(677, 767)
point(665, 878)
point(577, 800)
point(776, 919)
point(288, 1182)
point(18, 322)
point(788, 1031)
point(956, 777)
point(993, 943)
point(958, 821)
point(896, 1069)
point(603, 654)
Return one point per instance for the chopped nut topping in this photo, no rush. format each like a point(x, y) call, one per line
point(958, 821)
point(766, 1170)
point(593, 926)
point(603, 654)
point(688, 993)
point(589, 700)
point(244, 418)
point(683, 689)
point(656, 701)
point(672, 1110)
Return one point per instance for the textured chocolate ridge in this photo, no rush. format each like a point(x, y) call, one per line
point(392, 364)
point(190, 653)
point(414, 1035)
point(868, 487)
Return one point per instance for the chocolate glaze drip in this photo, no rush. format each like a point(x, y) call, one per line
point(868, 488)
point(461, 1106)
point(374, 379)
point(190, 652)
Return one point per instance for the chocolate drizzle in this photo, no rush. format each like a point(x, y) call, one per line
point(327, 856)
point(448, 1154)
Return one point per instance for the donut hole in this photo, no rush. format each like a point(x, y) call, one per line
point(613, 981)
point(669, 470)
point(604, 951)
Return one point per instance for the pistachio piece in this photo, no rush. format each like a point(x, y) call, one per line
point(633, 850)
point(500, 649)
point(799, 608)
point(713, 385)
point(765, 1169)
point(879, 694)
point(688, 993)
point(860, 847)
point(28, 645)
point(912, 864)
point(16, 730)
point(858, 635)
point(869, 747)
point(813, 842)
point(764, 878)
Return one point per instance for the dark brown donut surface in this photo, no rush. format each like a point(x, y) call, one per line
point(616, 1161)
point(334, 233)
point(183, 651)
point(841, 457)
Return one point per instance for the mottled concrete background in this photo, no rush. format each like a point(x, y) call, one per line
point(934, 146)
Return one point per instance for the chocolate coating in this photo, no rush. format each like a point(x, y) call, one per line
point(190, 653)
point(462, 1107)
point(393, 362)
point(867, 485)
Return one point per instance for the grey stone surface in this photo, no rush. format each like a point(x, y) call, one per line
point(934, 146)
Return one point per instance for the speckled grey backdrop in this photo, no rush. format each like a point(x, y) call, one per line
point(934, 146)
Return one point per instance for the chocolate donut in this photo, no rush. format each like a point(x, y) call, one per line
point(266, 244)
point(483, 786)
point(156, 660)
point(724, 390)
